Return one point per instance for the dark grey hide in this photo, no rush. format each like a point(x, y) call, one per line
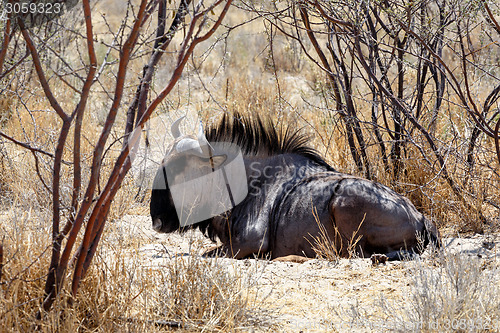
point(292, 190)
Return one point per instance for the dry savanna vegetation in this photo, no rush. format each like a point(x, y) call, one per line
point(405, 93)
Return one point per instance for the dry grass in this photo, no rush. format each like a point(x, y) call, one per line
point(324, 246)
point(120, 294)
point(333, 249)
point(462, 291)
point(204, 294)
point(453, 292)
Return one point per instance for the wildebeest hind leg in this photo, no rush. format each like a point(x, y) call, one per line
point(216, 251)
point(292, 258)
point(224, 251)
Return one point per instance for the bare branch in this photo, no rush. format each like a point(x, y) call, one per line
point(183, 58)
point(27, 146)
point(5, 43)
point(41, 75)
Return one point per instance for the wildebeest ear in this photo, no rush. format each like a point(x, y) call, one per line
point(219, 160)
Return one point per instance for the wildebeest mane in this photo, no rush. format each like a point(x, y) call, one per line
point(254, 136)
point(258, 137)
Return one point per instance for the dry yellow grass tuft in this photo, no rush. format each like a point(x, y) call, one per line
point(119, 293)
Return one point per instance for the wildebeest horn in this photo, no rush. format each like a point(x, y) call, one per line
point(188, 144)
point(201, 135)
point(176, 132)
point(197, 147)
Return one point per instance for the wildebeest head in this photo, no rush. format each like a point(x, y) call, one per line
point(189, 158)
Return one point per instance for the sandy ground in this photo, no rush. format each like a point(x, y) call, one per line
point(314, 296)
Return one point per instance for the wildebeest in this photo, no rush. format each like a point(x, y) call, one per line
point(292, 191)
